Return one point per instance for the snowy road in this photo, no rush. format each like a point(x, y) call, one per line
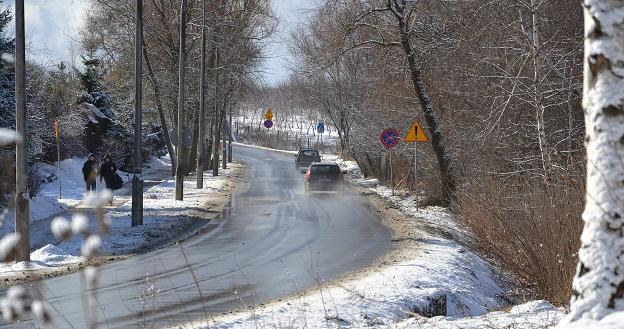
point(273, 241)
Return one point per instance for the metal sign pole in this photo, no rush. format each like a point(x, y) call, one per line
point(58, 157)
point(416, 182)
point(391, 173)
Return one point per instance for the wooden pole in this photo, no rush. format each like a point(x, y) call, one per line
point(181, 170)
point(137, 179)
point(22, 206)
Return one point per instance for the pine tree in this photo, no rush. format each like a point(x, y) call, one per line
point(7, 73)
point(91, 77)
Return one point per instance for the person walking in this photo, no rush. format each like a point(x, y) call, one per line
point(90, 171)
point(108, 172)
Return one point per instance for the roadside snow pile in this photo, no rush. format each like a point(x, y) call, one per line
point(535, 314)
point(611, 321)
point(51, 255)
point(43, 258)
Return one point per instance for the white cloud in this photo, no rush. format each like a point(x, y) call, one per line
point(51, 27)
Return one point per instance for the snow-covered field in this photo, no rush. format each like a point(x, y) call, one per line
point(287, 132)
point(432, 282)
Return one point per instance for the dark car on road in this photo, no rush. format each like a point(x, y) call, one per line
point(324, 177)
point(306, 157)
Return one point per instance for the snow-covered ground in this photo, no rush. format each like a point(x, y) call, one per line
point(433, 281)
point(48, 202)
point(164, 221)
point(292, 130)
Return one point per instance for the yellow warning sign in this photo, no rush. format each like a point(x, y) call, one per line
point(56, 129)
point(268, 115)
point(416, 134)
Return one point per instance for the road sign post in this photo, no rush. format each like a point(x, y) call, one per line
point(416, 134)
point(390, 138)
point(58, 156)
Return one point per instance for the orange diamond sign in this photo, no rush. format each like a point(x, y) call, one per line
point(416, 134)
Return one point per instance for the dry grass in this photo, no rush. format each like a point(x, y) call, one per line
point(530, 227)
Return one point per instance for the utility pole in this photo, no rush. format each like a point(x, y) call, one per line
point(202, 102)
point(181, 151)
point(217, 116)
point(137, 179)
point(22, 207)
point(224, 143)
point(230, 138)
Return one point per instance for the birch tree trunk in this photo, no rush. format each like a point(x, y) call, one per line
point(599, 282)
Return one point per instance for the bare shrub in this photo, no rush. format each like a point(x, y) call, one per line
point(35, 182)
point(7, 176)
point(530, 227)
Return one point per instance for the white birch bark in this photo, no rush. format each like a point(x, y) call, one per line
point(599, 282)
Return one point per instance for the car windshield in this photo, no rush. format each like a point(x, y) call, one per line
point(325, 169)
point(309, 153)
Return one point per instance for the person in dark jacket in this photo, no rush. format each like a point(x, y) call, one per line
point(90, 171)
point(108, 171)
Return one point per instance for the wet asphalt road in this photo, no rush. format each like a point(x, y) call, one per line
point(273, 241)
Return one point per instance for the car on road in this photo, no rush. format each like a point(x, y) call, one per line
point(305, 157)
point(324, 177)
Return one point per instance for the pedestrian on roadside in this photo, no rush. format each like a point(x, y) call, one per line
point(90, 171)
point(108, 172)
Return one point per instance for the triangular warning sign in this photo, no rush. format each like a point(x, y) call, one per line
point(416, 134)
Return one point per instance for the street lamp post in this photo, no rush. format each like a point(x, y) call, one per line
point(181, 151)
point(22, 206)
point(137, 179)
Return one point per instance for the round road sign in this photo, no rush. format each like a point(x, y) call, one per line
point(390, 137)
point(268, 124)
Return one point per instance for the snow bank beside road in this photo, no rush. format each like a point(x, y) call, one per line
point(535, 314)
point(441, 278)
point(43, 258)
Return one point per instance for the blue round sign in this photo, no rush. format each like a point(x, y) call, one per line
point(268, 124)
point(390, 137)
point(320, 127)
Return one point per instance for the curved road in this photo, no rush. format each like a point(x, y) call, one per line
point(273, 241)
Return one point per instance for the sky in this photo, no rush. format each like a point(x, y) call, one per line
point(52, 32)
point(291, 13)
point(51, 28)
